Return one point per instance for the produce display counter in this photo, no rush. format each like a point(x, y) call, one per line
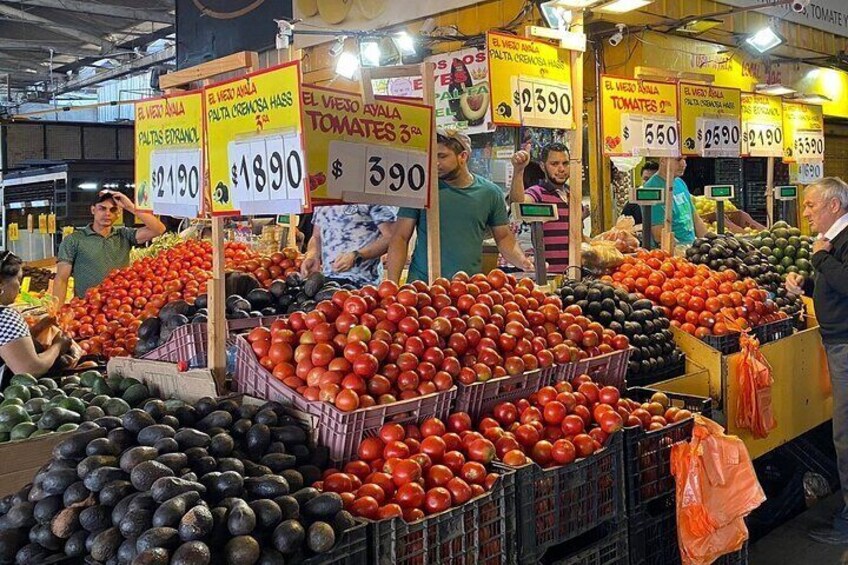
point(801, 395)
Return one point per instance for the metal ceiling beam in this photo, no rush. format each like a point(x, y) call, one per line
point(125, 12)
point(48, 44)
point(66, 30)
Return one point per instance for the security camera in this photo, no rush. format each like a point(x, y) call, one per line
point(800, 5)
point(618, 36)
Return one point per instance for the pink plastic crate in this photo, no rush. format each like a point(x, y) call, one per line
point(479, 398)
point(606, 370)
point(341, 432)
point(187, 343)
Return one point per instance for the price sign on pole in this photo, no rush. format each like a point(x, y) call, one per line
point(639, 118)
point(710, 119)
point(51, 224)
point(804, 141)
point(255, 143)
point(367, 153)
point(809, 171)
point(169, 155)
point(14, 233)
point(762, 126)
point(42, 223)
point(530, 83)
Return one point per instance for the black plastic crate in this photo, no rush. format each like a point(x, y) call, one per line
point(607, 545)
point(647, 455)
point(766, 333)
point(669, 372)
point(556, 505)
point(477, 532)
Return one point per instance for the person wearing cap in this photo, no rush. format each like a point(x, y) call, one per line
point(91, 253)
point(469, 206)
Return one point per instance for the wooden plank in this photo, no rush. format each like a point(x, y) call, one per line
point(434, 230)
point(668, 234)
point(217, 360)
point(231, 63)
point(575, 195)
point(770, 192)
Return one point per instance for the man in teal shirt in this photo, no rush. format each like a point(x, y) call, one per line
point(469, 206)
point(685, 221)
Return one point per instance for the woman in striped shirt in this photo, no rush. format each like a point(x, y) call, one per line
point(553, 190)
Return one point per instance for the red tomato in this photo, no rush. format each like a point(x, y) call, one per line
point(410, 495)
point(371, 448)
point(438, 499)
point(365, 507)
point(459, 490)
point(563, 452)
point(438, 476)
point(406, 471)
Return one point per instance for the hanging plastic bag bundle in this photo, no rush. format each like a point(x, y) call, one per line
point(753, 403)
point(716, 487)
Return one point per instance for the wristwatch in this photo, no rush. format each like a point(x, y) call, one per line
point(357, 257)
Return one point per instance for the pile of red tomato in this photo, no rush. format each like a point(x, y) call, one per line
point(388, 343)
point(696, 299)
point(106, 320)
point(411, 472)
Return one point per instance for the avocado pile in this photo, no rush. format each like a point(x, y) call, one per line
point(213, 482)
point(786, 249)
point(245, 299)
point(727, 252)
point(645, 325)
point(34, 407)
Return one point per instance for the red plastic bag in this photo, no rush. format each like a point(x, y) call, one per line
point(753, 403)
point(716, 488)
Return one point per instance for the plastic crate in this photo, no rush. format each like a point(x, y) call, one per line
point(606, 546)
point(479, 398)
point(351, 549)
point(766, 333)
point(187, 343)
point(606, 370)
point(341, 432)
point(243, 324)
point(664, 374)
point(647, 455)
point(476, 532)
point(559, 504)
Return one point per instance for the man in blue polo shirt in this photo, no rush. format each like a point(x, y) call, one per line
point(685, 221)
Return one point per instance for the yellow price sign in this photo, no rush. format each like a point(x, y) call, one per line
point(639, 118)
point(255, 143)
point(762, 125)
point(803, 128)
point(169, 154)
point(51, 223)
point(14, 233)
point(25, 284)
point(710, 119)
point(369, 153)
point(42, 223)
point(531, 82)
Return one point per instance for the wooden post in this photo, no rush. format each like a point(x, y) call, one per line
point(668, 234)
point(575, 195)
point(769, 192)
point(426, 71)
point(216, 289)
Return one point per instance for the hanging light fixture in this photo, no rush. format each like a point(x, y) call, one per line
point(765, 40)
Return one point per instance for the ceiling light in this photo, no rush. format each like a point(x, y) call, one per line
point(774, 89)
point(621, 6)
point(88, 186)
point(370, 53)
point(405, 43)
point(697, 27)
point(556, 14)
point(347, 64)
point(765, 40)
point(812, 98)
point(568, 4)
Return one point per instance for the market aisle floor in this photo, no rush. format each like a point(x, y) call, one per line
point(789, 544)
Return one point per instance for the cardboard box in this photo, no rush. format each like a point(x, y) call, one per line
point(164, 380)
point(21, 460)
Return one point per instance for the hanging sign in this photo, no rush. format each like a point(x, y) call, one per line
point(14, 234)
point(367, 153)
point(803, 125)
point(169, 156)
point(639, 118)
point(51, 224)
point(762, 125)
point(255, 143)
point(42, 223)
point(710, 120)
point(531, 83)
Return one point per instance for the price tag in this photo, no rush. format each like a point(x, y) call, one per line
point(51, 224)
point(808, 146)
point(543, 103)
point(718, 137)
point(810, 171)
point(267, 174)
point(14, 234)
point(654, 136)
point(42, 223)
point(377, 174)
point(763, 140)
point(175, 182)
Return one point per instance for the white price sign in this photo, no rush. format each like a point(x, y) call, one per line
point(651, 136)
point(808, 146)
point(543, 103)
point(377, 174)
point(718, 137)
point(763, 140)
point(268, 174)
point(175, 182)
point(810, 171)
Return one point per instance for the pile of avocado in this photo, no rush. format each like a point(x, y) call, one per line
point(34, 407)
point(728, 252)
point(188, 484)
point(786, 249)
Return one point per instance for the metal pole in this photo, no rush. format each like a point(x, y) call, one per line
point(538, 237)
point(647, 236)
point(720, 216)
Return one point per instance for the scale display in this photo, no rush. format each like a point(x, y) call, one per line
point(786, 192)
point(647, 196)
point(719, 191)
point(534, 212)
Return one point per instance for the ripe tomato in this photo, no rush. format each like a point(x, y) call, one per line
point(410, 495)
point(365, 507)
point(392, 432)
point(438, 499)
point(563, 452)
point(554, 412)
point(473, 472)
point(406, 471)
point(438, 476)
point(460, 491)
point(434, 446)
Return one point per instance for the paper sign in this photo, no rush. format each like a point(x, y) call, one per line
point(51, 223)
point(710, 120)
point(42, 223)
point(803, 125)
point(808, 171)
point(368, 153)
point(14, 234)
point(639, 118)
point(255, 143)
point(531, 82)
point(169, 169)
point(762, 125)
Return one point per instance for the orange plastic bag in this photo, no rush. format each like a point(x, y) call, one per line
point(716, 488)
point(753, 404)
